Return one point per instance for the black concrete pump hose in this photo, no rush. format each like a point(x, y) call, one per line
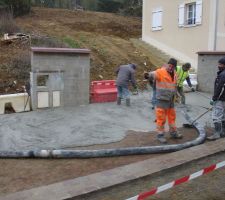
point(109, 152)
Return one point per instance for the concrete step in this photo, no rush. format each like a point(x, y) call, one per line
point(97, 184)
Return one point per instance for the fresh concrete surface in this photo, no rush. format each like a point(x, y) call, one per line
point(87, 125)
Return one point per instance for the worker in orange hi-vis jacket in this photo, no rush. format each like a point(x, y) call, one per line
point(165, 78)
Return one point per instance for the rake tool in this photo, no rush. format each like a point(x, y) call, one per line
point(197, 118)
point(199, 93)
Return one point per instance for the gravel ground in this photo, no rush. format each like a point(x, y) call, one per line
point(207, 187)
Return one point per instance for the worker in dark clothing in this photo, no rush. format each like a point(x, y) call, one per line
point(182, 75)
point(125, 74)
point(218, 102)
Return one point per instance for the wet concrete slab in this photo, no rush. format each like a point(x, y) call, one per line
point(88, 125)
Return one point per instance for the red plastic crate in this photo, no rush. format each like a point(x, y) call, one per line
point(101, 98)
point(103, 91)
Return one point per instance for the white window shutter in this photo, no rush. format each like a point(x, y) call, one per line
point(181, 15)
point(198, 11)
point(154, 20)
point(157, 19)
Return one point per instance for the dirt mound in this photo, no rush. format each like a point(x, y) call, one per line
point(73, 21)
point(106, 35)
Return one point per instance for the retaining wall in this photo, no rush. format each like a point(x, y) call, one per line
point(207, 69)
point(18, 102)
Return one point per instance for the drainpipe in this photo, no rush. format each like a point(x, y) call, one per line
point(213, 25)
point(216, 25)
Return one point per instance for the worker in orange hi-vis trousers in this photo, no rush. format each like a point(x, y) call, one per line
point(165, 78)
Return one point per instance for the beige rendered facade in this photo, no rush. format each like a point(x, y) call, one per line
point(181, 28)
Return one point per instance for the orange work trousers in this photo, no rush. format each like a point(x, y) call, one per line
point(161, 115)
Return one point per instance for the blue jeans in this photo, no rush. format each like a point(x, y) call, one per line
point(123, 92)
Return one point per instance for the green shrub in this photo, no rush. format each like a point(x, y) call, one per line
point(18, 7)
point(109, 6)
point(132, 8)
point(7, 23)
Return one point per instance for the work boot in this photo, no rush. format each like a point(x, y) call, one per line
point(128, 102)
point(218, 132)
point(215, 136)
point(176, 135)
point(118, 101)
point(161, 138)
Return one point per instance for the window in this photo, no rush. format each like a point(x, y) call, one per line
point(157, 19)
point(42, 80)
point(190, 14)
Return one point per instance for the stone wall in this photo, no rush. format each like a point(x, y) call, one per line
point(68, 77)
point(207, 69)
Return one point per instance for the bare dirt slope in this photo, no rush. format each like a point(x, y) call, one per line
point(106, 35)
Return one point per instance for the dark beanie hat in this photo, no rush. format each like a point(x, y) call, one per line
point(173, 62)
point(222, 61)
point(187, 65)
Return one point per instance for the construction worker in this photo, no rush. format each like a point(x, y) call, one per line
point(125, 74)
point(182, 75)
point(218, 102)
point(165, 78)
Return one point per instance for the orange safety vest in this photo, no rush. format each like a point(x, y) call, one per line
point(165, 85)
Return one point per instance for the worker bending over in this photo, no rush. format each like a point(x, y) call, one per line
point(125, 75)
point(182, 75)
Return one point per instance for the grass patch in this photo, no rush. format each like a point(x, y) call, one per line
point(45, 41)
point(71, 42)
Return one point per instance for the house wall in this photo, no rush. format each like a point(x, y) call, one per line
point(207, 69)
point(73, 67)
point(179, 42)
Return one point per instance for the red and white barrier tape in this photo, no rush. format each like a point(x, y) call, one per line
point(167, 186)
